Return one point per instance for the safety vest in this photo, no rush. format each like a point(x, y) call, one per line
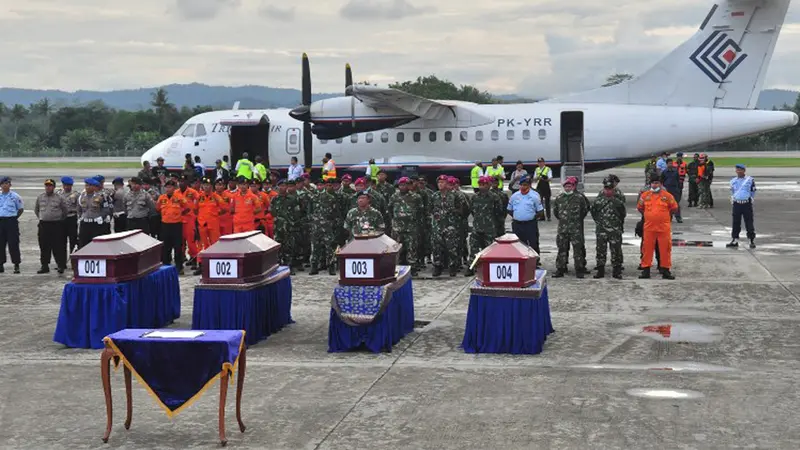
point(245, 169)
point(681, 168)
point(475, 175)
point(543, 172)
point(331, 172)
point(494, 172)
point(261, 172)
point(373, 172)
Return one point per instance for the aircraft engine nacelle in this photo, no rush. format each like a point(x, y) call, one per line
point(338, 117)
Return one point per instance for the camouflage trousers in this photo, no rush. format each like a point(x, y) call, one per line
point(409, 254)
point(305, 241)
point(693, 194)
point(425, 242)
point(289, 254)
point(463, 238)
point(605, 240)
point(563, 240)
point(477, 242)
point(323, 247)
point(445, 248)
point(704, 188)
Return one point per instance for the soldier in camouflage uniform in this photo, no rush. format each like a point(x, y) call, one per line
point(609, 214)
point(463, 222)
point(485, 207)
point(500, 220)
point(345, 191)
point(425, 243)
point(650, 169)
point(364, 219)
point(384, 187)
point(325, 213)
point(376, 200)
point(614, 180)
point(287, 213)
point(570, 208)
point(404, 209)
point(447, 209)
point(306, 195)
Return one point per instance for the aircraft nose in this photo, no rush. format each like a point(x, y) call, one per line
point(793, 119)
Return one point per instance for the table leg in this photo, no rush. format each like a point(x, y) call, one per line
point(239, 387)
point(105, 373)
point(223, 395)
point(129, 398)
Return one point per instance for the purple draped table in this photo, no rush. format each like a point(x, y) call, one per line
point(176, 367)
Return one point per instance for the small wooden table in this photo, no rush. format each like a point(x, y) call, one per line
point(110, 353)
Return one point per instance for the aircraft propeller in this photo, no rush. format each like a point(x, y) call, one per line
point(303, 113)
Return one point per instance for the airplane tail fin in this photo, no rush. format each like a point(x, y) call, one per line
point(722, 66)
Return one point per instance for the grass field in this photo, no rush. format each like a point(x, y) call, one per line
point(70, 165)
point(749, 162)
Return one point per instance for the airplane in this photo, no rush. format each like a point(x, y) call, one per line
point(703, 92)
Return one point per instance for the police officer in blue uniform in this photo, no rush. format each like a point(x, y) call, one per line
point(11, 207)
point(743, 190)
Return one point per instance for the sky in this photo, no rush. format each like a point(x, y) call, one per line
point(534, 48)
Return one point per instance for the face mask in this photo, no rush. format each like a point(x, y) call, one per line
point(568, 192)
point(655, 189)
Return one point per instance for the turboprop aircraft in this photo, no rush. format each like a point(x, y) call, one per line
point(703, 92)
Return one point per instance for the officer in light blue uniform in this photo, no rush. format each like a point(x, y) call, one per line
point(743, 190)
point(11, 207)
point(525, 207)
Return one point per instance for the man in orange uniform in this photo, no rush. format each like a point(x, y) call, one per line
point(245, 206)
point(657, 205)
point(225, 216)
point(189, 220)
point(269, 222)
point(261, 217)
point(172, 207)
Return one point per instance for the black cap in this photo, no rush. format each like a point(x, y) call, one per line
point(170, 183)
point(136, 180)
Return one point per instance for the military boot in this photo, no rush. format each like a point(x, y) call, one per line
point(667, 275)
point(199, 270)
point(752, 243)
point(437, 271)
point(617, 273)
point(43, 270)
point(314, 270)
point(469, 273)
point(580, 273)
point(453, 271)
point(601, 272)
point(645, 273)
point(331, 270)
point(560, 273)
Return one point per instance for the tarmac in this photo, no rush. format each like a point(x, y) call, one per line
point(726, 377)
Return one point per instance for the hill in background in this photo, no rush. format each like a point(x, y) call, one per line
point(223, 97)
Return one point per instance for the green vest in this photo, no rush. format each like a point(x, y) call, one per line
point(475, 175)
point(373, 172)
point(261, 172)
point(492, 172)
point(245, 169)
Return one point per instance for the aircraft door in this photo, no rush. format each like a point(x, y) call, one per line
point(293, 144)
point(572, 146)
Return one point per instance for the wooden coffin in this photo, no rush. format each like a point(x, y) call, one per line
point(368, 260)
point(113, 258)
point(508, 263)
point(240, 258)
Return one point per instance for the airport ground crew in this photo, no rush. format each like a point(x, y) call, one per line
point(609, 216)
point(244, 168)
point(570, 208)
point(328, 167)
point(475, 176)
point(364, 219)
point(94, 211)
point(485, 207)
point(260, 170)
point(705, 175)
point(189, 219)
point(496, 171)
point(71, 222)
point(404, 207)
point(325, 211)
point(210, 206)
point(11, 207)
point(541, 180)
point(691, 172)
point(51, 210)
point(120, 214)
point(139, 206)
point(447, 210)
point(658, 206)
point(743, 191)
point(286, 210)
point(245, 207)
point(225, 215)
point(173, 207)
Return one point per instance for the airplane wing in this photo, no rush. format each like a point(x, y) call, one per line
point(376, 97)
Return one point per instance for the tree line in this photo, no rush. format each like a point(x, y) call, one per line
point(95, 126)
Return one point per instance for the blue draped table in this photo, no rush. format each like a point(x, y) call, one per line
point(90, 312)
point(375, 316)
point(515, 321)
point(176, 370)
point(260, 311)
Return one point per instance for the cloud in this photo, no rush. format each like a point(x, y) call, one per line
point(204, 9)
point(381, 9)
point(277, 13)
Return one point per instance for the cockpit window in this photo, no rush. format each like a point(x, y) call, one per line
point(188, 131)
point(200, 131)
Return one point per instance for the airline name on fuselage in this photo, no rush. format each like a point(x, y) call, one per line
point(217, 128)
point(525, 122)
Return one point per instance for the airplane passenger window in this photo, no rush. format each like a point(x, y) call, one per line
point(200, 131)
point(526, 134)
point(323, 141)
point(293, 139)
point(354, 138)
point(417, 136)
point(542, 134)
point(510, 135)
point(368, 138)
point(432, 136)
point(189, 131)
point(495, 135)
point(339, 141)
point(448, 136)
point(385, 137)
point(463, 136)
point(401, 136)
point(479, 135)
